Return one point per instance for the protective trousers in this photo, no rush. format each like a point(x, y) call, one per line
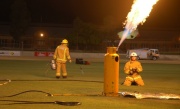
point(61, 66)
point(137, 79)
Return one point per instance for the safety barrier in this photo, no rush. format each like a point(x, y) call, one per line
point(92, 56)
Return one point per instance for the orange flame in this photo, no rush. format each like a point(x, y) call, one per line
point(139, 12)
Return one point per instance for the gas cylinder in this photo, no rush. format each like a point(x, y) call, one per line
point(53, 64)
point(111, 72)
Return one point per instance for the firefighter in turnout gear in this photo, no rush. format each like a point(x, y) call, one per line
point(61, 55)
point(132, 69)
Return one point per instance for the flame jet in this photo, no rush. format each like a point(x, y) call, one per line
point(140, 10)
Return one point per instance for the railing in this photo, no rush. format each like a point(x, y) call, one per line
point(101, 48)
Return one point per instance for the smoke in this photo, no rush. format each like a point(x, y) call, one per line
point(140, 10)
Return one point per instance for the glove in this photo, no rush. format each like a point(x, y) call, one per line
point(54, 57)
point(134, 69)
point(130, 72)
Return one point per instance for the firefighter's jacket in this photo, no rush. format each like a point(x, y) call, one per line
point(61, 53)
point(130, 65)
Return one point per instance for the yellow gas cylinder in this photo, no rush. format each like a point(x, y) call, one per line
point(111, 72)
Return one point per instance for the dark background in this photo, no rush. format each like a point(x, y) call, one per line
point(165, 14)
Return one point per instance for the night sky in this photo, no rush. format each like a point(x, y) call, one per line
point(165, 14)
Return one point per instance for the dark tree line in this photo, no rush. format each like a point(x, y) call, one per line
point(20, 19)
point(85, 36)
point(88, 36)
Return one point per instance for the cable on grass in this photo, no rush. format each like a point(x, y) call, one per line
point(76, 95)
point(58, 80)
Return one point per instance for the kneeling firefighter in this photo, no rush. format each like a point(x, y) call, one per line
point(132, 69)
point(61, 55)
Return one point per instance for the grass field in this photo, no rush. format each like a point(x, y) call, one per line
point(159, 77)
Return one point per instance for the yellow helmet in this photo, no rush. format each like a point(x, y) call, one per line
point(64, 41)
point(133, 54)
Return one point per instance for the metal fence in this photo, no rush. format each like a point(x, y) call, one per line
point(81, 48)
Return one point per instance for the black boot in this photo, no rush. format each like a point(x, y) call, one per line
point(57, 77)
point(64, 76)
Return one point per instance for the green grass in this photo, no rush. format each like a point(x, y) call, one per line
point(31, 75)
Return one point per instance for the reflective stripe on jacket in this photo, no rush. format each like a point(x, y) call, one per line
point(133, 78)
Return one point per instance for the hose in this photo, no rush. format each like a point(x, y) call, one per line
point(48, 94)
point(37, 102)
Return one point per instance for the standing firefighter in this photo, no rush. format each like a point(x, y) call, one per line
point(132, 69)
point(61, 55)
